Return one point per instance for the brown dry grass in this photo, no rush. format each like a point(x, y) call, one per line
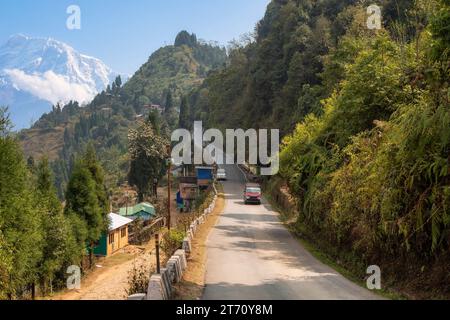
point(40, 142)
point(193, 283)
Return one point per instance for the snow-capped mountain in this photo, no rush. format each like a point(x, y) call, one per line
point(38, 72)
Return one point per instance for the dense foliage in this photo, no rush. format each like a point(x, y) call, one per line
point(38, 239)
point(19, 221)
point(372, 171)
point(87, 201)
point(172, 241)
point(177, 69)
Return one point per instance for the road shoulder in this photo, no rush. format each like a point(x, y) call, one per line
point(193, 283)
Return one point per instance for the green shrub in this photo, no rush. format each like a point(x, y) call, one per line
point(172, 241)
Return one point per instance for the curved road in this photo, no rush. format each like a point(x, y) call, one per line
point(252, 256)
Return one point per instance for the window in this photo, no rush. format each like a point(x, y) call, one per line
point(123, 232)
point(111, 238)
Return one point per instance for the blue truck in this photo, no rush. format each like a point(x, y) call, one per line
point(205, 176)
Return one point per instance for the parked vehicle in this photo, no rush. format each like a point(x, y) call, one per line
point(221, 175)
point(252, 193)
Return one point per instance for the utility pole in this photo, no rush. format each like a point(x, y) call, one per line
point(110, 194)
point(126, 207)
point(158, 266)
point(155, 188)
point(169, 151)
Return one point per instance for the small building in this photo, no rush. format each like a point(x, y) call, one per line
point(117, 237)
point(205, 176)
point(144, 211)
point(157, 107)
point(153, 107)
point(188, 180)
point(186, 196)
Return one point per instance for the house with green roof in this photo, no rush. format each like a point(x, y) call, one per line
point(143, 210)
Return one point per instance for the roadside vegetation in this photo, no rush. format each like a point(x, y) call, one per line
point(372, 171)
point(40, 239)
point(365, 119)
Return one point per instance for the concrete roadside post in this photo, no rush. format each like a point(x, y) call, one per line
point(174, 266)
point(166, 282)
point(187, 247)
point(137, 297)
point(156, 288)
point(182, 255)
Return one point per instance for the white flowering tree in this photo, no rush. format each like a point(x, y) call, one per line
point(148, 151)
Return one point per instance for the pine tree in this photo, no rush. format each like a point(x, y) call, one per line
point(20, 231)
point(155, 120)
point(118, 81)
point(184, 38)
point(169, 103)
point(170, 113)
point(87, 202)
point(5, 122)
point(31, 164)
point(91, 163)
point(184, 114)
point(58, 241)
point(6, 263)
point(84, 208)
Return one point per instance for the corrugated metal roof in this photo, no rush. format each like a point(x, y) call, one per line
point(117, 221)
point(141, 207)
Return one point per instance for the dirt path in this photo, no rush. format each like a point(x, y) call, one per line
point(109, 280)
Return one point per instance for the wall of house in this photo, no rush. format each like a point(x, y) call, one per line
point(101, 248)
point(117, 240)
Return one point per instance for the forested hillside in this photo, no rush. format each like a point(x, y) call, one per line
point(280, 73)
point(169, 73)
point(368, 161)
point(178, 68)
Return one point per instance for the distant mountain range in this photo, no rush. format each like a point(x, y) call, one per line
point(36, 73)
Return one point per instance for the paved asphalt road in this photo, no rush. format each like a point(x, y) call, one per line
point(251, 256)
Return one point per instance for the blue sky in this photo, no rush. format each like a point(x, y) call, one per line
point(124, 33)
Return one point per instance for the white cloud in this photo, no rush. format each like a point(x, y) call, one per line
point(50, 86)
